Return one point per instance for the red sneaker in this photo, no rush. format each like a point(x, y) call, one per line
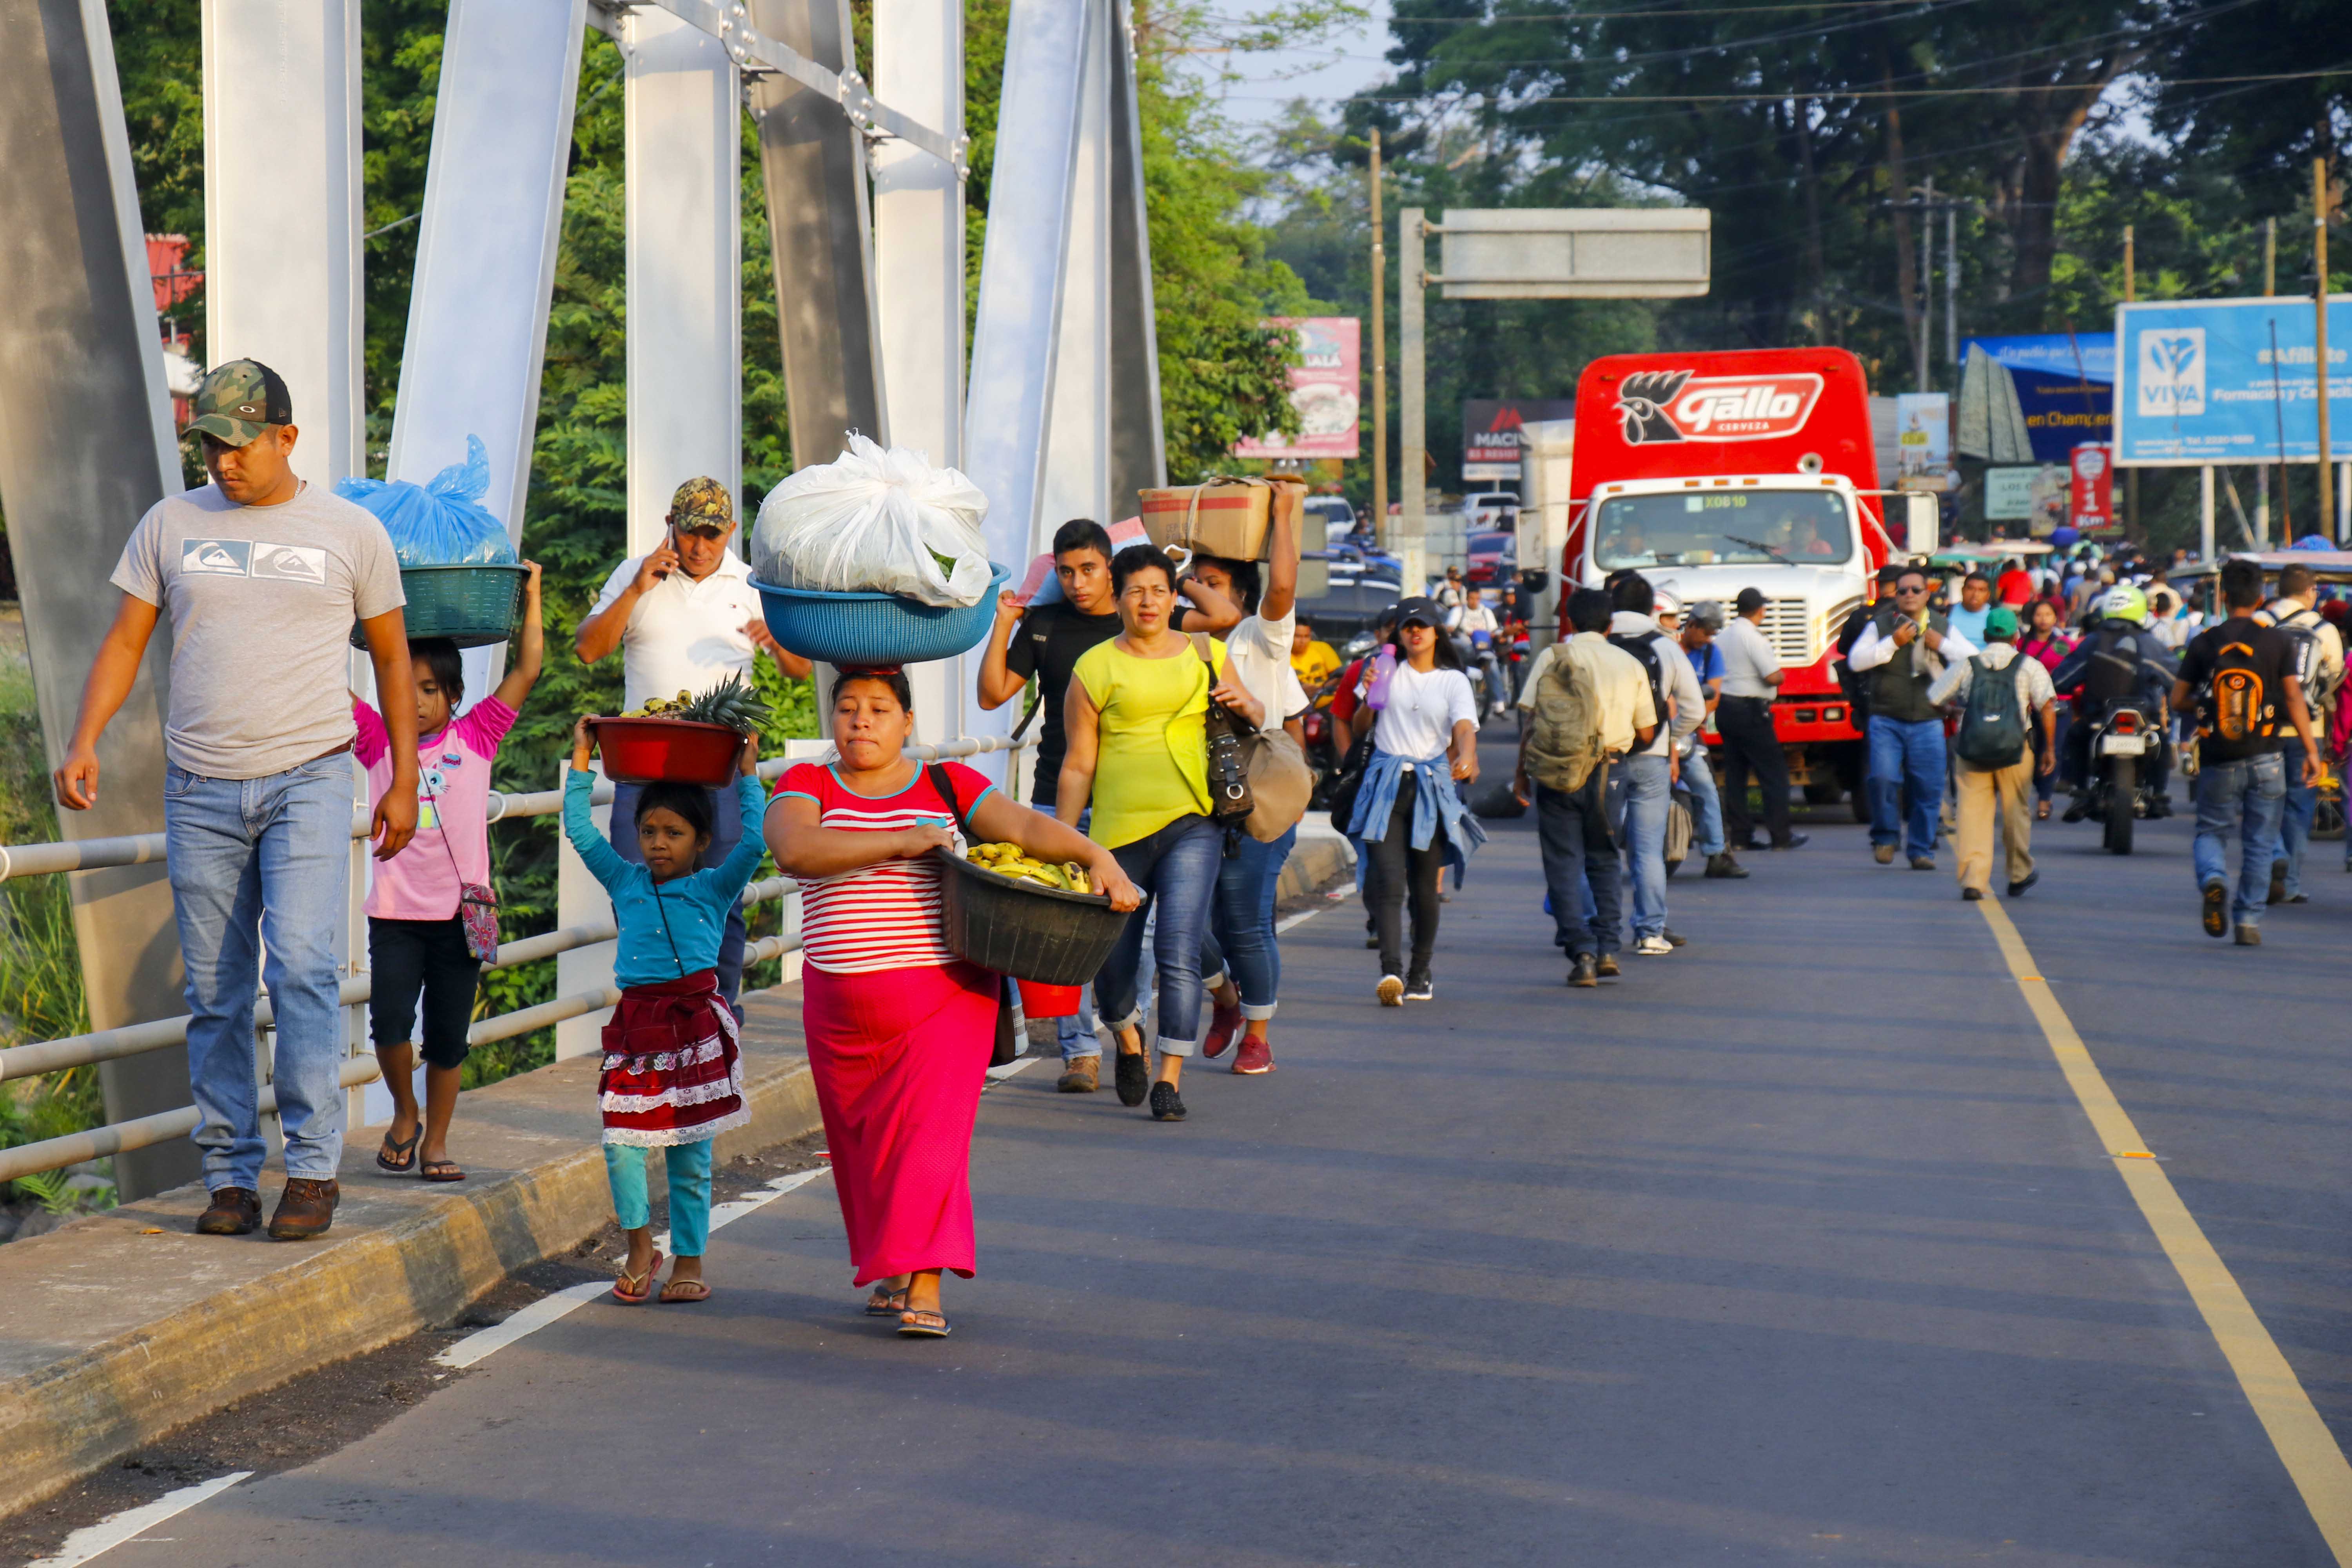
point(1224, 1023)
point(1254, 1056)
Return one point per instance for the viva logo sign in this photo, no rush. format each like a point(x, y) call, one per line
point(2172, 371)
point(1676, 406)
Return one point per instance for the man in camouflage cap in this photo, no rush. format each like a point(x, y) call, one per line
point(684, 616)
point(262, 576)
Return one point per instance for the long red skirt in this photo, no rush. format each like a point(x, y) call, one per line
point(899, 1056)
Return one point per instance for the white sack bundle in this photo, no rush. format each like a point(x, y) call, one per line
point(876, 520)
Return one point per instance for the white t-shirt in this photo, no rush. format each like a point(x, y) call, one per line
point(1418, 723)
point(1258, 655)
point(261, 600)
point(683, 636)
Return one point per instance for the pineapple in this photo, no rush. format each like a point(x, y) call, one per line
point(731, 702)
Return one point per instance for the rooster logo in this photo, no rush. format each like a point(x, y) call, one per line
point(1641, 405)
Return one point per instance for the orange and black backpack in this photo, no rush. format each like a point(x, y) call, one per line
point(2238, 704)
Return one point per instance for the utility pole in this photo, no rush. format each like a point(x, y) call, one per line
point(1413, 419)
point(2262, 470)
point(1952, 288)
point(2319, 295)
point(2131, 476)
point(1380, 358)
point(1927, 286)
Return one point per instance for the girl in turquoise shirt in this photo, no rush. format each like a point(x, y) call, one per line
point(673, 1075)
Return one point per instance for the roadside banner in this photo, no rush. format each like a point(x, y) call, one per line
point(2092, 508)
point(1490, 433)
point(2227, 381)
point(1325, 387)
point(1923, 437)
point(2065, 384)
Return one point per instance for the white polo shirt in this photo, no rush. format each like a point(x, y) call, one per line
point(1258, 655)
point(683, 636)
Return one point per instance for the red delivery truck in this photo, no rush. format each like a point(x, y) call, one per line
point(1713, 472)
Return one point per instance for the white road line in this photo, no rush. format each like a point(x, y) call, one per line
point(1284, 924)
point(1018, 1064)
point(552, 1308)
point(108, 1534)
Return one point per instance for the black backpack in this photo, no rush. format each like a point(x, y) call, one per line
point(1644, 645)
point(2303, 644)
point(1992, 724)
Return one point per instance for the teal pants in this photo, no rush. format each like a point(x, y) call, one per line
point(690, 1192)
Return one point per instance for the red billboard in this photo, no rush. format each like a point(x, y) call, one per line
point(1325, 387)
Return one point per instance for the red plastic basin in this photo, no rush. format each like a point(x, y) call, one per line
point(1041, 1001)
point(666, 750)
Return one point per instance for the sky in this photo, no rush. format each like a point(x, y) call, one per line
point(1346, 63)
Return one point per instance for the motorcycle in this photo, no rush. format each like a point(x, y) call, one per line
point(1319, 738)
point(2120, 742)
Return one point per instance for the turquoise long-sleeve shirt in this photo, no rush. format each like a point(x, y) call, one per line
point(695, 905)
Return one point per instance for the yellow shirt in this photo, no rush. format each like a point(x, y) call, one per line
point(1151, 761)
point(1316, 666)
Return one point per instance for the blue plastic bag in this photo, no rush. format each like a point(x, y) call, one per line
point(442, 524)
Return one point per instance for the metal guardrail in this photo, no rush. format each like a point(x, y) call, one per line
point(132, 1039)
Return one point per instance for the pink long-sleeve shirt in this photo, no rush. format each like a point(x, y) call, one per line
point(452, 846)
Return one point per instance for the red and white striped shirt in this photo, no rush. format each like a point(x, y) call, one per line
point(886, 915)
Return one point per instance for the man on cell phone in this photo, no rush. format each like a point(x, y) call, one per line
point(684, 616)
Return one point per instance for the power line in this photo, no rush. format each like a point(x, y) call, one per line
point(1784, 96)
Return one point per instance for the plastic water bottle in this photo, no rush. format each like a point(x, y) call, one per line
point(1376, 694)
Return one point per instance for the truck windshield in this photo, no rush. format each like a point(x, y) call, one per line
point(1717, 528)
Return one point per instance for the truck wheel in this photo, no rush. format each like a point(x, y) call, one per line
point(1823, 792)
point(2121, 794)
point(1861, 796)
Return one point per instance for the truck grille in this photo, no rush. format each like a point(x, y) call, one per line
point(1791, 631)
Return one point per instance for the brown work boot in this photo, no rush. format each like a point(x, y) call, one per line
point(234, 1211)
point(1083, 1075)
point(306, 1210)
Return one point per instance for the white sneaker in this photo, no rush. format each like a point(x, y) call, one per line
point(1391, 991)
point(1654, 947)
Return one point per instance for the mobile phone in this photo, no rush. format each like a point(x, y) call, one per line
point(670, 542)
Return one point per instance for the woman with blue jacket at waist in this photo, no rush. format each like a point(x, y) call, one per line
point(1424, 721)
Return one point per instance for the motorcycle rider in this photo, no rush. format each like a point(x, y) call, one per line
point(1473, 629)
point(2119, 660)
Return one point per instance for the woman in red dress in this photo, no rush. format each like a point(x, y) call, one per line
point(899, 1029)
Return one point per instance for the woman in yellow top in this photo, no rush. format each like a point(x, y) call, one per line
point(1136, 718)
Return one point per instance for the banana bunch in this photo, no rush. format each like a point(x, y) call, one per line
point(1011, 860)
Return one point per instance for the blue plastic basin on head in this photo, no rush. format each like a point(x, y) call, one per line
point(869, 628)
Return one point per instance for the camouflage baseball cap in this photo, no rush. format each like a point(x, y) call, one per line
point(238, 400)
point(701, 503)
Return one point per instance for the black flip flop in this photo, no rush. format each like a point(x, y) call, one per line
point(910, 1327)
point(407, 1152)
point(441, 1170)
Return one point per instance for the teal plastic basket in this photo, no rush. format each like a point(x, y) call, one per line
point(866, 629)
point(473, 606)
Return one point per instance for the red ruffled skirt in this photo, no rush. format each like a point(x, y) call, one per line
point(672, 1073)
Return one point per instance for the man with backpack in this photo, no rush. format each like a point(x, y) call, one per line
point(1588, 704)
point(2241, 677)
point(2318, 650)
point(2001, 695)
point(1641, 788)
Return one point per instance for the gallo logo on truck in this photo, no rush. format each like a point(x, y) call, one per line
point(1676, 406)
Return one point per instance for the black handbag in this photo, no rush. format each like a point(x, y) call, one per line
point(1350, 779)
point(1230, 797)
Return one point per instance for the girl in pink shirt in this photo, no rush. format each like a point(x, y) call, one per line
point(417, 936)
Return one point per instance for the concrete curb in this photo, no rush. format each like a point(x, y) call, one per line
point(1316, 859)
point(126, 1325)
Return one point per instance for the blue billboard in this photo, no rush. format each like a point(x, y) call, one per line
point(2229, 381)
point(2065, 386)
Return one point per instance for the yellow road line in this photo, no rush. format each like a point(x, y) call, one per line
point(2310, 1452)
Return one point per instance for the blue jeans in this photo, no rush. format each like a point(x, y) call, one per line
point(726, 832)
point(1241, 922)
point(1580, 863)
point(2295, 823)
point(1707, 806)
point(1905, 755)
point(262, 865)
point(2248, 797)
point(1639, 793)
point(689, 1166)
point(1176, 869)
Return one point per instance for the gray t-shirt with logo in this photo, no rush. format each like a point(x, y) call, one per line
point(262, 601)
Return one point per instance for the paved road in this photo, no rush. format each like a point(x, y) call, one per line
point(1792, 1247)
